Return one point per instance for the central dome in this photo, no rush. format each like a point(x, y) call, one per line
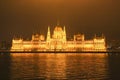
point(58, 33)
point(57, 28)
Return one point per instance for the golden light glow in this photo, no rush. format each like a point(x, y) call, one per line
point(58, 42)
point(56, 66)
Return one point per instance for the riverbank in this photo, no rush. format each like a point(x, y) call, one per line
point(108, 51)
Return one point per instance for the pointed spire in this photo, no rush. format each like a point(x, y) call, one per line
point(48, 34)
point(58, 23)
point(64, 30)
point(64, 35)
point(95, 35)
point(48, 28)
point(102, 35)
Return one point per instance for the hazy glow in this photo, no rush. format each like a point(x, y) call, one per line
point(86, 16)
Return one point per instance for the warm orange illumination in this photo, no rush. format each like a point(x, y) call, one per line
point(58, 42)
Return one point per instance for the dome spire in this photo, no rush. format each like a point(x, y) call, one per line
point(58, 23)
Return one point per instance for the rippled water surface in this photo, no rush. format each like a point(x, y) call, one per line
point(86, 66)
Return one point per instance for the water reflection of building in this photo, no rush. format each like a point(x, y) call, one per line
point(58, 42)
point(87, 66)
point(56, 67)
point(29, 66)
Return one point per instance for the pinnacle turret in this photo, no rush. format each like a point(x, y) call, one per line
point(48, 34)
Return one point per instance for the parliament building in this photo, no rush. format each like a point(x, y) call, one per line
point(58, 42)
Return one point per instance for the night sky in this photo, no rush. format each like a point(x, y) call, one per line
point(22, 18)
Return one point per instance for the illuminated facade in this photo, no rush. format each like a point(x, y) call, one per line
point(58, 42)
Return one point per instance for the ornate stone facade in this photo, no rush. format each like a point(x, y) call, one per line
point(58, 42)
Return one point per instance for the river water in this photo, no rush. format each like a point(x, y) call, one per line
point(60, 66)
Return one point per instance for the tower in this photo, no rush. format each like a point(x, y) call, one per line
point(64, 34)
point(48, 34)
